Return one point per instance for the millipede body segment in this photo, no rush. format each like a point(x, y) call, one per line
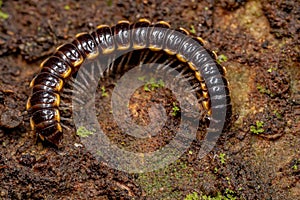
point(44, 102)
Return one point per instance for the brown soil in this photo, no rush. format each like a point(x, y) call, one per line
point(258, 38)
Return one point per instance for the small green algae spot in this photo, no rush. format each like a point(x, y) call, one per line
point(151, 84)
point(192, 196)
point(3, 15)
point(222, 158)
point(155, 84)
point(146, 88)
point(228, 195)
point(277, 114)
point(192, 29)
point(258, 128)
point(264, 90)
point(162, 183)
point(109, 2)
point(142, 78)
point(175, 109)
point(221, 58)
point(161, 83)
point(271, 69)
point(67, 7)
point(83, 132)
point(295, 167)
point(103, 92)
point(216, 170)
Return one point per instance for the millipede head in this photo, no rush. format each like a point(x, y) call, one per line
point(52, 134)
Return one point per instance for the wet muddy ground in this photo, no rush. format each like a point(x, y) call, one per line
point(257, 158)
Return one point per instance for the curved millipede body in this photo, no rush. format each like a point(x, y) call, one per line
point(44, 102)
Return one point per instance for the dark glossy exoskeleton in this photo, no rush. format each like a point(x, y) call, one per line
point(43, 104)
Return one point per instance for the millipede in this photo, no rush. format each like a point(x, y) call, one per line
point(104, 42)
